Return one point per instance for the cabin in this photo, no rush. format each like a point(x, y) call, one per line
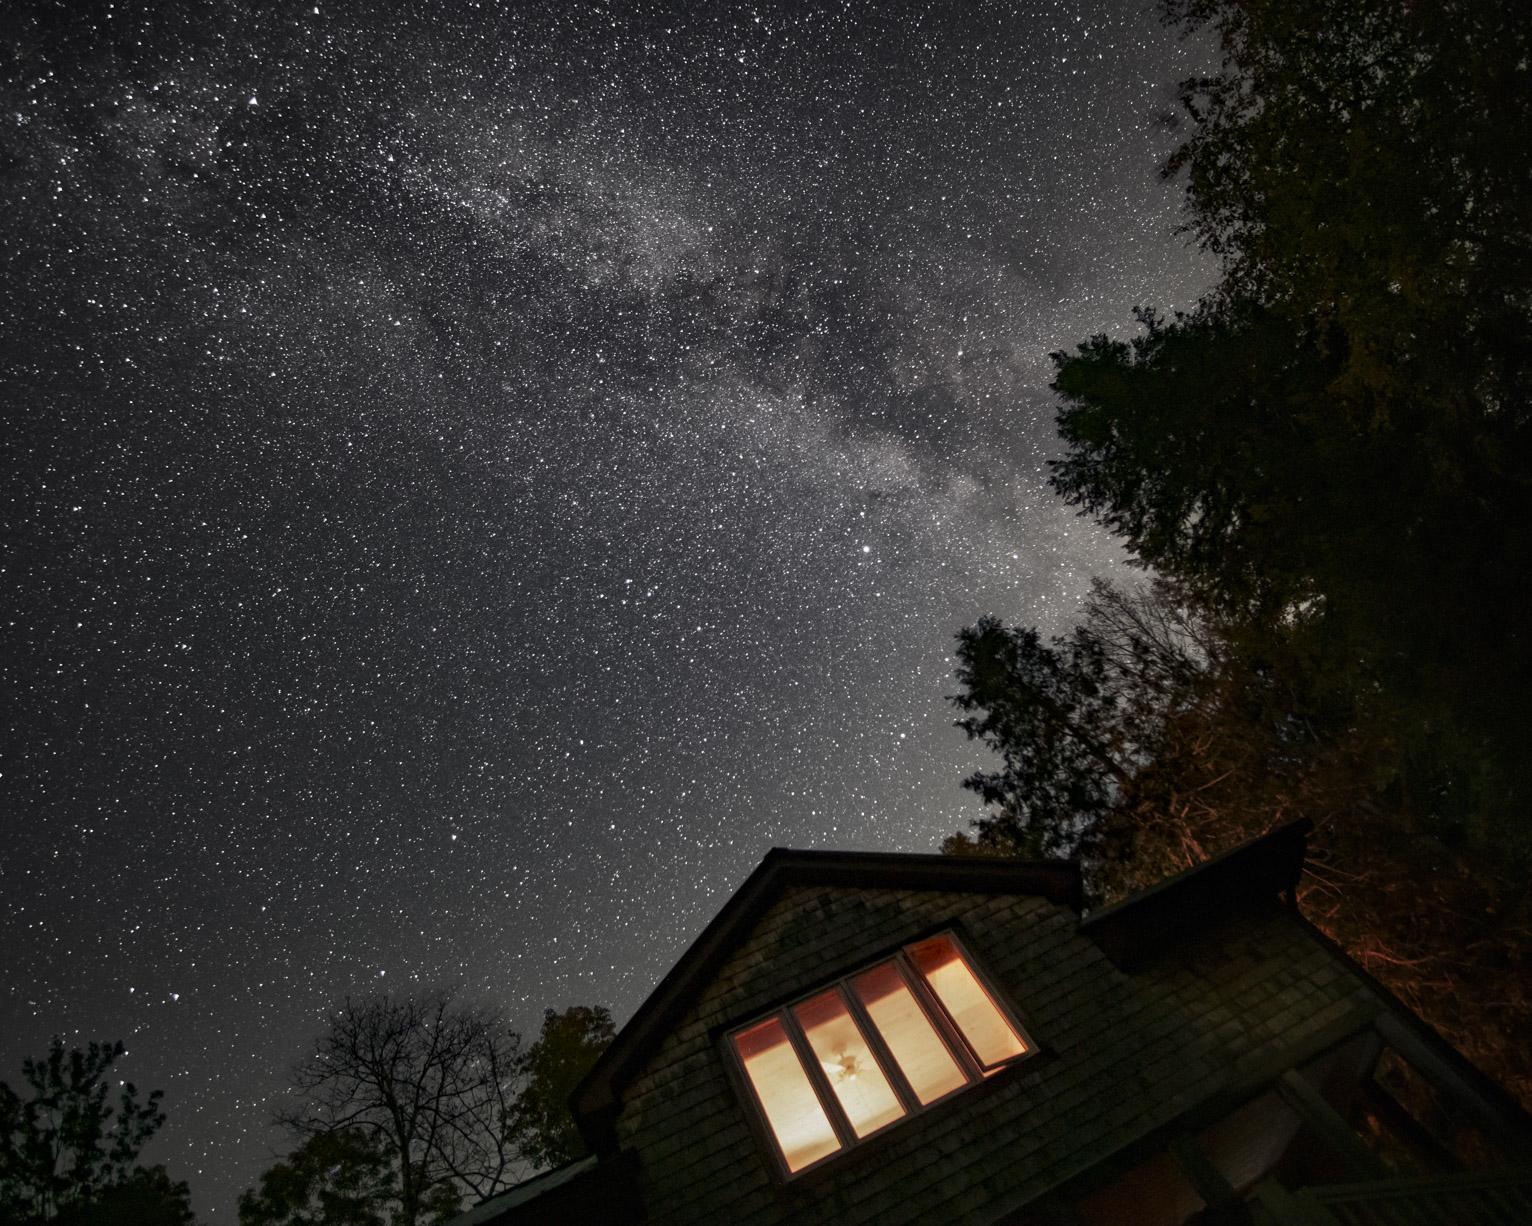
point(870, 1038)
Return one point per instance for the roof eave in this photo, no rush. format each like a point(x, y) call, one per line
point(1132, 932)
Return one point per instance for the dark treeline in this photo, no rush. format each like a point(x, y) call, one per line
point(409, 1110)
point(1326, 470)
point(69, 1146)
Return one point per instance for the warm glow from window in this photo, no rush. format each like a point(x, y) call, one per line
point(791, 1106)
point(873, 1049)
point(924, 1059)
point(992, 1038)
point(864, 1093)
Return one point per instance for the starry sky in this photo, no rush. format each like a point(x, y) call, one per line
point(475, 477)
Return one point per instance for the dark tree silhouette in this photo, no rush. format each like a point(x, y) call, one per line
point(1335, 448)
point(430, 1082)
point(339, 1178)
point(65, 1146)
point(147, 1197)
point(1135, 709)
point(411, 1106)
point(566, 1048)
point(1071, 721)
point(1328, 465)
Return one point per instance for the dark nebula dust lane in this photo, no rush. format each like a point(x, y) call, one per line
point(475, 477)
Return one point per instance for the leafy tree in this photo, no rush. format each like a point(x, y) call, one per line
point(409, 1105)
point(566, 1048)
point(1211, 444)
point(430, 1083)
point(1328, 464)
point(1334, 450)
point(66, 1146)
point(1213, 747)
point(1141, 705)
point(147, 1197)
point(339, 1178)
point(1073, 721)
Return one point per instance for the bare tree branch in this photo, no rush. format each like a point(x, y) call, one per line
point(434, 1081)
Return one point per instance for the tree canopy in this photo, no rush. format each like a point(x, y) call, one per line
point(565, 1050)
point(69, 1151)
point(146, 1197)
point(337, 1178)
point(413, 1106)
point(1326, 466)
point(1334, 450)
point(67, 1144)
point(430, 1082)
point(1073, 721)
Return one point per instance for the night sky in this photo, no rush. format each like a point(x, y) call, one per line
point(476, 477)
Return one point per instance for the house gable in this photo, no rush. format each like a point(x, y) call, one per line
point(688, 1122)
point(1180, 1042)
point(598, 1099)
point(1139, 928)
point(1123, 1057)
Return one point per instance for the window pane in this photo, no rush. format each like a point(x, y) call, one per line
point(792, 1108)
point(992, 1037)
point(869, 1101)
point(927, 1064)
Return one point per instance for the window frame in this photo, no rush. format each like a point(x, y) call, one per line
point(975, 1072)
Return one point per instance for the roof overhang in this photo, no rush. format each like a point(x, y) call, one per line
point(1258, 873)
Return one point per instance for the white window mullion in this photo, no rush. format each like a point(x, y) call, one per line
point(829, 1071)
point(880, 1049)
point(816, 1075)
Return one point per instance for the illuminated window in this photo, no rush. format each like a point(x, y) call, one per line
point(829, 1071)
point(991, 1037)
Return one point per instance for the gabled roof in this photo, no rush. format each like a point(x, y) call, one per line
point(1132, 931)
point(598, 1098)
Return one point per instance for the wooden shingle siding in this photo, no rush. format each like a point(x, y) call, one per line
point(1122, 1055)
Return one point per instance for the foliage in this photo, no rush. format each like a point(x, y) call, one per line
point(1121, 742)
point(1214, 444)
point(147, 1197)
point(411, 1104)
point(1328, 464)
point(1071, 721)
point(564, 1052)
point(1342, 431)
point(1212, 749)
point(66, 1146)
point(430, 1083)
point(339, 1178)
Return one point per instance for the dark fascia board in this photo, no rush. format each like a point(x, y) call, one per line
point(583, 1191)
point(1133, 931)
point(493, 1211)
point(598, 1098)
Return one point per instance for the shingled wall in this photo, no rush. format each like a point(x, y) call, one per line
point(1121, 1055)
